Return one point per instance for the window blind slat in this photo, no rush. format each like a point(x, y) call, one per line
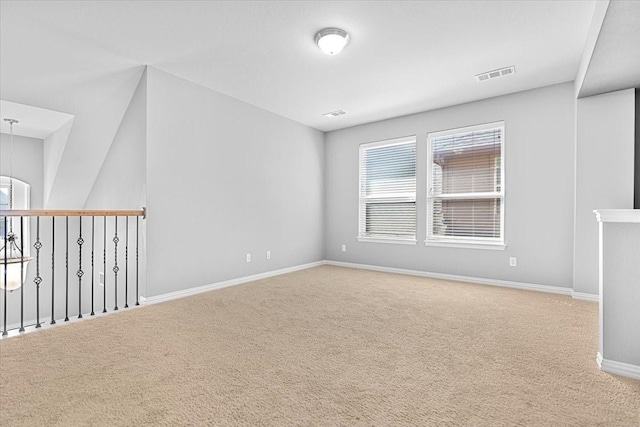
point(387, 189)
point(465, 198)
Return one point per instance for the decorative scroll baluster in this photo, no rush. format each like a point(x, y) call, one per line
point(21, 274)
point(137, 291)
point(80, 273)
point(6, 285)
point(93, 239)
point(66, 265)
point(126, 265)
point(115, 265)
point(104, 262)
point(53, 268)
point(37, 280)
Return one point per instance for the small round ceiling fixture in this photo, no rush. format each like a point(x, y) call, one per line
point(332, 40)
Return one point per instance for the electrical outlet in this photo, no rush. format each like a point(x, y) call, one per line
point(513, 261)
point(344, 248)
point(248, 257)
point(268, 254)
point(101, 278)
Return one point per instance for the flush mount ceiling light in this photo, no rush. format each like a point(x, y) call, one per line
point(332, 40)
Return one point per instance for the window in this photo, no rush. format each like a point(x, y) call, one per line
point(388, 191)
point(20, 201)
point(465, 197)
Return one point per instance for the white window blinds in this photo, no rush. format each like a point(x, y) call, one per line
point(388, 189)
point(466, 185)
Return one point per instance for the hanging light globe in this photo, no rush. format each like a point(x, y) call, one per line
point(12, 260)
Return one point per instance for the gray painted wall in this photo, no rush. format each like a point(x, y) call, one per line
point(225, 178)
point(604, 174)
point(621, 293)
point(539, 170)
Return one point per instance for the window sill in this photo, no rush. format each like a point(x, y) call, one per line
point(383, 240)
point(466, 245)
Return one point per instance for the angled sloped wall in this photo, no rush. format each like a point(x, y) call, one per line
point(121, 180)
point(99, 111)
point(53, 149)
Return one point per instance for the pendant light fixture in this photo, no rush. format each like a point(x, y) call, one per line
point(12, 260)
point(332, 40)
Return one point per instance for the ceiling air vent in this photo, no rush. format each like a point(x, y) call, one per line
point(495, 74)
point(336, 113)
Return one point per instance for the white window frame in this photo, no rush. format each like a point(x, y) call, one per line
point(460, 241)
point(400, 198)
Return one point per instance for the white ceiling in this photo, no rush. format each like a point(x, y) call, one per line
point(404, 57)
point(32, 121)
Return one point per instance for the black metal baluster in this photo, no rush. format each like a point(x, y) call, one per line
point(80, 242)
point(53, 267)
point(4, 331)
point(93, 238)
point(21, 274)
point(104, 262)
point(126, 265)
point(66, 266)
point(137, 292)
point(115, 265)
point(37, 280)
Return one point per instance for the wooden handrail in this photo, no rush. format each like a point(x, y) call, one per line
point(61, 212)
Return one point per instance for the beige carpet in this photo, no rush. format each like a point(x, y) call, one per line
point(323, 347)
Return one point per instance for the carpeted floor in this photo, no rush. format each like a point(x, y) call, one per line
point(326, 346)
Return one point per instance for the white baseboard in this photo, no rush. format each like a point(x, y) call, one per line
point(467, 279)
point(240, 280)
point(585, 296)
point(618, 368)
point(219, 285)
point(13, 330)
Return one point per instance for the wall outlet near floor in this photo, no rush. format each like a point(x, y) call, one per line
point(248, 257)
point(268, 254)
point(513, 261)
point(344, 248)
point(101, 278)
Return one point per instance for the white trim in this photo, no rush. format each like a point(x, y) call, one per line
point(390, 142)
point(466, 129)
point(384, 240)
point(466, 245)
point(618, 368)
point(618, 215)
point(585, 296)
point(13, 329)
point(467, 279)
point(599, 360)
point(224, 284)
point(390, 198)
point(498, 195)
